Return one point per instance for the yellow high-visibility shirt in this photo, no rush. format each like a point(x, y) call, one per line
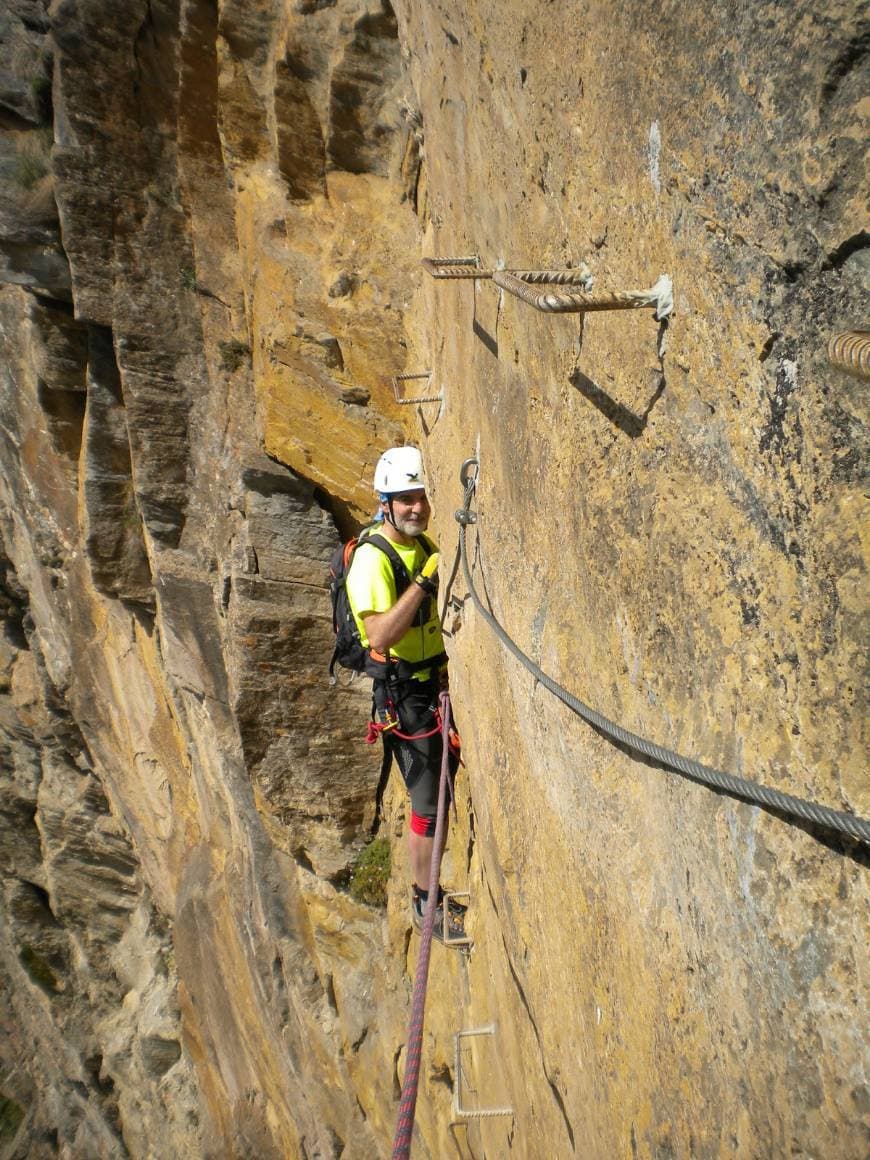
point(371, 587)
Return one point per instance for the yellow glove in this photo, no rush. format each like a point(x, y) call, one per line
point(431, 566)
point(427, 577)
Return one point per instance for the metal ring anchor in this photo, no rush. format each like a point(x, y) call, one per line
point(468, 479)
point(465, 478)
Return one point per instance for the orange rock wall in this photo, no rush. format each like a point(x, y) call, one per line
point(210, 256)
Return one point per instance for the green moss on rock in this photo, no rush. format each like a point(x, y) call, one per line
point(371, 873)
point(11, 1115)
point(38, 969)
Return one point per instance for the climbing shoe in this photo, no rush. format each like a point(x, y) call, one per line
point(455, 921)
point(455, 908)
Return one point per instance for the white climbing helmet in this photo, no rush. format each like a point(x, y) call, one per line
point(399, 469)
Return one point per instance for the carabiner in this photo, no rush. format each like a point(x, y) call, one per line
point(464, 478)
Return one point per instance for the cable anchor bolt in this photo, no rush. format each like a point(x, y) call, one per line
point(465, 476)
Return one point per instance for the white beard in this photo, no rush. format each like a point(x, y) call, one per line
point(410, 527)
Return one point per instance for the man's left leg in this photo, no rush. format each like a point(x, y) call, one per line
point(420, 763)
point(421, 849)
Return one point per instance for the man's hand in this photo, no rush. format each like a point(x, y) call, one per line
point(384, 629)
point(431, 566)
point(427, 577)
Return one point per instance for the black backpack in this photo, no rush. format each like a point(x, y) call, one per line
point(349, 650)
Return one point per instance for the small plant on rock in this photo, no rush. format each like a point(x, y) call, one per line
point(234, 354)
point(371, 873)
point(33, 162)
point(38, 970)
point(11, 1115)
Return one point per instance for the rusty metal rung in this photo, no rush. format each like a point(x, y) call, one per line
point(471, 260)
point(521, 284)
point(458, 1110)
point(850, 351)
point(455, 267)
point(578, 302)
point(403, 400)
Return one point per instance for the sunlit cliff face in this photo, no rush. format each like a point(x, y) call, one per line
point(209, 247)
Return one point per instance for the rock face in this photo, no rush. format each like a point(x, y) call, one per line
point(212, 221)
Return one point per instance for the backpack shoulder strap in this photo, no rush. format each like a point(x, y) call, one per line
point(401, 575)
point(351, 546)
point(399, 569)
point(386, 547)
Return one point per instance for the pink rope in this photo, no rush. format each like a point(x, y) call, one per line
point(408, 1103)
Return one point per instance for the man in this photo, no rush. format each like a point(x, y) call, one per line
point(398, 622)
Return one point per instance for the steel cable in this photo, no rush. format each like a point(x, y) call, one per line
point(851, 824)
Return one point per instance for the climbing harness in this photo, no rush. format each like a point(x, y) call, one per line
point(376, 728)
point(851, 824)
point(408, 1102)
point(383, 707)
point(520, 283)
point(385, 723)
point(390, 725)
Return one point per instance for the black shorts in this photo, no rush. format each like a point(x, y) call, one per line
point(419, 761)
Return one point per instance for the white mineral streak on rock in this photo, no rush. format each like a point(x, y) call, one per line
point(653, 151)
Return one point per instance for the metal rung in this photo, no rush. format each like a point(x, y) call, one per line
point(520, 283)
point(448, 941)
point(472, 1113)
point(850, 351)
point(455, 267)
point(400, 398)
point(660, 296)
point(471, 260)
